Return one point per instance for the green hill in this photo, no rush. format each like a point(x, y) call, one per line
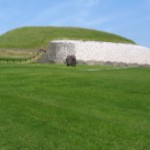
point(36, 37)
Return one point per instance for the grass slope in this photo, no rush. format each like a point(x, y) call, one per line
point(47, 107)
point(35, 37)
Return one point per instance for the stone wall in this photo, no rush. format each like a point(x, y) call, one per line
point(93, 52)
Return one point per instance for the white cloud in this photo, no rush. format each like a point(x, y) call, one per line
point(81, 15)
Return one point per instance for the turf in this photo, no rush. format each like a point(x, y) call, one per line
point(37, 37)
point(56, 107)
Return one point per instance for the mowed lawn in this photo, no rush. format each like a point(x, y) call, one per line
point(54, 107)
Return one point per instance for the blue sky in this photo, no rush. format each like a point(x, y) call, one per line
point(128, 18)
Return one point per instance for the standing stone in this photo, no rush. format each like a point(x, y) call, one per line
point(71, 60)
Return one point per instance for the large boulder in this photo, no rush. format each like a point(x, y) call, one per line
point(71, 60)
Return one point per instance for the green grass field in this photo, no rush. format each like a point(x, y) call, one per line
point(37, 37)
point(54, 107)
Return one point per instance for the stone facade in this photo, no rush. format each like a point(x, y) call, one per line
point(98, 52)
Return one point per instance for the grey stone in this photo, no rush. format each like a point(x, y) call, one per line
point(71, 60)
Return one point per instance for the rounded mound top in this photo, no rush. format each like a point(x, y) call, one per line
point(36, 37)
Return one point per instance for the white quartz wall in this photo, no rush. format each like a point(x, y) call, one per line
point(104, 51)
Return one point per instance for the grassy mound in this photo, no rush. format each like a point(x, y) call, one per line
point(84, 108)
point(36, 37)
